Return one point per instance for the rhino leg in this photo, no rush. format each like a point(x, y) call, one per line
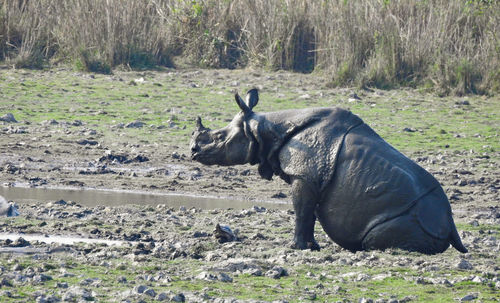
point(304, 204)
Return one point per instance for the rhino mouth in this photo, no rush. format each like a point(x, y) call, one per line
point(197, 156)
point(203, 157)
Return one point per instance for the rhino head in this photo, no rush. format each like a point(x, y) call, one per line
point(230, 145)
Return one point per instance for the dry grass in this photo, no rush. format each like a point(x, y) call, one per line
point(452, 46)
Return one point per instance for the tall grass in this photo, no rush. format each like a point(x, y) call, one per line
point(450, 45)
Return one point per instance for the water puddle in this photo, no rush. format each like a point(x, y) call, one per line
point(95, 197)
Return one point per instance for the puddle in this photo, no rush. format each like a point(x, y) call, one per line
point(95, 197)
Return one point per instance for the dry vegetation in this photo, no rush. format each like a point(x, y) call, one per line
point(451, 46)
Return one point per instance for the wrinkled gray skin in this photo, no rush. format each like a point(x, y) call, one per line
point(365, 194)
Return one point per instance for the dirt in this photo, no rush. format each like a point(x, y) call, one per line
point(173, 255)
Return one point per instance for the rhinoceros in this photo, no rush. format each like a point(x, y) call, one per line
point(365, 193)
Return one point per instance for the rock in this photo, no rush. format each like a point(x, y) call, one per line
point(47, 299)
point(76, 293)
point(17, 267)
point(409, 129)
point(224, 277)
point(478, 279)
point(365, 300)
point(86, 142)
point(60, 202)
point(354, 96)
point(162, 296)
point(363, 277)
point(135, 124)
point(20, 242)
point(50, 122)
point(150, 292)
point(247, 266)
point(469, 297)
point(41, 278)
point(223, 234)
point(200, 234)
point(110, 157)
point(464, 265)
point(8, 209)
point(279, 195)
point(206, 276)
point(9, 118)
point(178, 298)
point(139, 289)
point(276, 272)
point(62, 285)
point(5, 282)
point(77, 123)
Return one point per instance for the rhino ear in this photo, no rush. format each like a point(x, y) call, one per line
point(199, 126)
point(246, 110)
point(252, 98)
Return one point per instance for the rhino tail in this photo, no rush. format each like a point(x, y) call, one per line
point(455, 240)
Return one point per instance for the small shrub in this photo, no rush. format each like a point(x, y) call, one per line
point(466, 77)
point(91, 62)
point(29, 60)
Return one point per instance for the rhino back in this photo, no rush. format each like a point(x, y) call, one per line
point(371, 184)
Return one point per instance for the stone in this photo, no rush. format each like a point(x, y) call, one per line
point(469, 297)
point(464, 265)
point(276, 272)
point(140, 289)
point(76, 293)
point(162, 296)
point(178, 298)
point(150, 292)
point(224, 277)
point(9, 118)
point(135, 124)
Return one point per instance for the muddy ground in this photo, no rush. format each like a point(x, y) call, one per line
point(130, 131)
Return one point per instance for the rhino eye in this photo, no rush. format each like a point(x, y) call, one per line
point(219, 136)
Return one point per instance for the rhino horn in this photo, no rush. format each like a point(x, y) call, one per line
point(199, 126)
